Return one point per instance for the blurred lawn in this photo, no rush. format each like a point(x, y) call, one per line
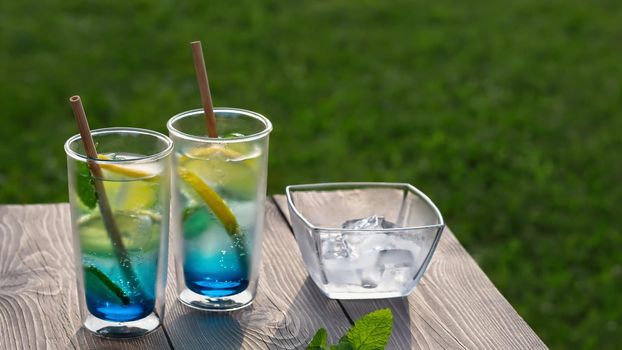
point(508, 114)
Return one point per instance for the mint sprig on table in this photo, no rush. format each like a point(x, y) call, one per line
point(371, 332)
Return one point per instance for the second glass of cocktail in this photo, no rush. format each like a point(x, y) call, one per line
point(218, 206)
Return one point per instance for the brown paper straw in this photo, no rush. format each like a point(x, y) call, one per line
point(104, 207)
point(206, 97)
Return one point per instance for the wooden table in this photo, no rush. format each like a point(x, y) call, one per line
point(455, 306)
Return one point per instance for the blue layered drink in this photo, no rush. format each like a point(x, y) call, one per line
point(220, 186)
point(111, 293)
point(120, 224)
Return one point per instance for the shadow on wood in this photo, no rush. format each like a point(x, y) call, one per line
point(400, 336)
point(260, 325)
point(83, 339)
point(335, 329)
point(211, 330)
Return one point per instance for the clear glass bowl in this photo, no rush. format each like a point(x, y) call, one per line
point(348, 262)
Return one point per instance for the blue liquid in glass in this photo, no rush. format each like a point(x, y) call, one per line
point(134, 303)
point(110, 295)
point(214, 265)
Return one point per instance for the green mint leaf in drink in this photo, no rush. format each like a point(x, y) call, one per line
point(319, 340)
point(85, 185)
point(196, 220)
point(372, 331)
point(94, 275)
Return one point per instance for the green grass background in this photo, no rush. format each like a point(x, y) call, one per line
point(507, 113)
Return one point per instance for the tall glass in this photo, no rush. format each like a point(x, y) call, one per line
point(120, 225)
point(218, 206)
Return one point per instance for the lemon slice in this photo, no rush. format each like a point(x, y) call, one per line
point(208, 152)
point(138, 195)
point(139, 231)
point(127, 171)
point(246, 156)
point(232, 172)
point(212, 199)
point(131, 195)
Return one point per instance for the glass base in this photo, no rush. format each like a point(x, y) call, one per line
point(131, 329)
point(228, 303)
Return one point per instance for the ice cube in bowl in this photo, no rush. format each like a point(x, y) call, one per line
point(364, 240)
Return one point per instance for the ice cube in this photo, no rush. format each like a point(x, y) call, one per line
point(370, 256)
point(364, 244)
point(371, 276)
point(363, 249)
point(398, 265)
point(391, 258)
point(333, 247)
point(370, 222)
point(340, 271)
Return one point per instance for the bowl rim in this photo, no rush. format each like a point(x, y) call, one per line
point(345, 185)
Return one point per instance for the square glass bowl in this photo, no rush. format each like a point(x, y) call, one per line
point(347, 258)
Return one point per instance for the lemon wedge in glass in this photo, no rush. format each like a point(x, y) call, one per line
point(128, 171)
point(234, 173)
point(212, 199)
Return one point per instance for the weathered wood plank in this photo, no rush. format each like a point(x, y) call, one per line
point(454, 306)
point(286, 313)
point(38, 301)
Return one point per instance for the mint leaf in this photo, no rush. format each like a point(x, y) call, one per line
point(195, 221)
point(372, 331)
point(85, 185)
point(319, 340)
point(344, 344)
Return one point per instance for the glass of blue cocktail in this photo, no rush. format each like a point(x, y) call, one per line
point(218, 206)
point(121, 250)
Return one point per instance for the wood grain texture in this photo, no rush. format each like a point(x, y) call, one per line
point(38, 301)
point(455, 306)
point(287, 311)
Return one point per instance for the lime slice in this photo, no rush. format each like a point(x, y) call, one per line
point(212, 199)
point(97, 282)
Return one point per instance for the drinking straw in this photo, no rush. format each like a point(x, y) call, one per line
point(206, 97)
point(210, 120)
point(104, 207)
